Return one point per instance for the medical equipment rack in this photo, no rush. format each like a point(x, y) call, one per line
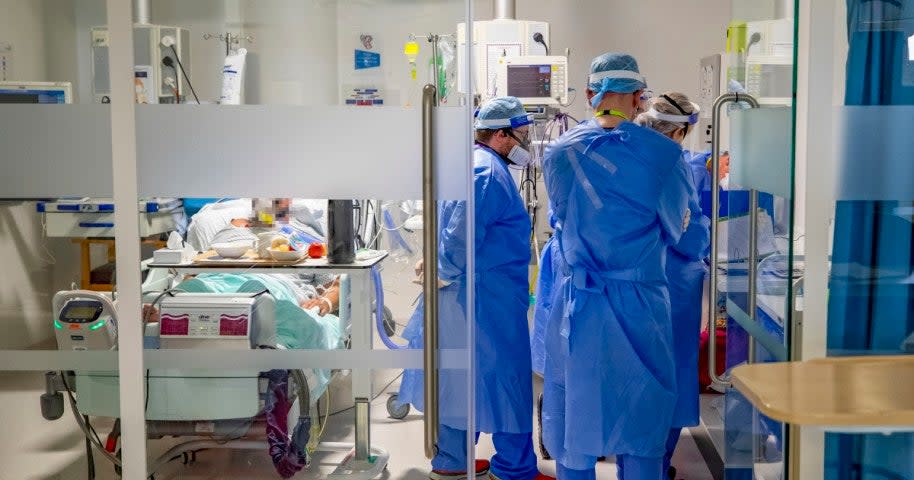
point(364, 462)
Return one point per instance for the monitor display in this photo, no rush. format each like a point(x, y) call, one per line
point(81, 312)
point(530, 81)
point(32, 96)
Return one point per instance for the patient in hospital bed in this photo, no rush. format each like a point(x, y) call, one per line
point(306, 304)
point(297, 327)
point(229, 221)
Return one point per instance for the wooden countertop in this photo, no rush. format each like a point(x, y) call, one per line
point(833, 393)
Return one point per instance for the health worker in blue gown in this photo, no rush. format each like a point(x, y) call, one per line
point(673, 115)
point(544, 293)
point(620, 195)
point(504, 383)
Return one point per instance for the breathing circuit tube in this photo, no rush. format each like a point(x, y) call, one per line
point(379, 310)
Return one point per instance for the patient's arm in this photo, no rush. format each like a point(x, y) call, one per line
point(326, 303)
point(150, 314)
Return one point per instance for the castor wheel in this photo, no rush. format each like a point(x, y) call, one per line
point(394, 409)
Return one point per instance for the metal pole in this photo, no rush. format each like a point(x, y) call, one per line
point(757, 447)
point(141, 13)
point(434, 38)
point(716, 382)
point(430, 269)
point(505, 9)
point(362, 429)
point(753, 265)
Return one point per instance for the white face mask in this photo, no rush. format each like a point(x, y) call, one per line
point(520, 157)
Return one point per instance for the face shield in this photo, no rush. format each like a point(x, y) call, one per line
point(687, 118)
point(646, 97)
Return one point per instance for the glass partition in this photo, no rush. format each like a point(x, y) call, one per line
point(282, 316)
point(755, 268)
point(56, 236)
point(870, 307)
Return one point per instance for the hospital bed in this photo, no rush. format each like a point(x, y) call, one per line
point(94, 218)
point(91, 222)
point(222, 409)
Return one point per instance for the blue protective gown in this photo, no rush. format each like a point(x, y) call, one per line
point(504, 384)
point(698, 164)
point(686, 270)
point(620, 199)
point(550, 259)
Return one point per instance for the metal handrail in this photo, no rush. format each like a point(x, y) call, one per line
point(430, 269)
point(716, 382)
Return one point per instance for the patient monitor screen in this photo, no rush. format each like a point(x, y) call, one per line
point(530, 81)
point(32, 96)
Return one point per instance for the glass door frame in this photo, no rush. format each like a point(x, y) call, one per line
point(131, 355)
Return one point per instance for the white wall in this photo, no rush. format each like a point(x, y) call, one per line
point(293, 58)
point(21, 26)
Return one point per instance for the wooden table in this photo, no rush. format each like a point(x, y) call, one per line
point(847, 394)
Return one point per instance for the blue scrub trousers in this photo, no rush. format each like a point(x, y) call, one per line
point(514, 457)
point(629, 468)
point(671, 443)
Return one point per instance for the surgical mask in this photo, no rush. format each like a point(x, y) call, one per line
point(520, 157)
point(725, 182)
point(520, 154)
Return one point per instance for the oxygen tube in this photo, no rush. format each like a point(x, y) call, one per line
point(379, 310)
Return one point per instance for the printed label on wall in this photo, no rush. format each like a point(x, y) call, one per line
point(364, 60)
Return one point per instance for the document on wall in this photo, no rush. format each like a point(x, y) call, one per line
point(733, 238)
point(493, 53)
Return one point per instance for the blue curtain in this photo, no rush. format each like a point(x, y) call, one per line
point(870, 310)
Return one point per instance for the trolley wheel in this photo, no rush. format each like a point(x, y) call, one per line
point(394, 409)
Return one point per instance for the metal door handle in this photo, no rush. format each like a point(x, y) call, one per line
point(716, 382)
point(430, 269)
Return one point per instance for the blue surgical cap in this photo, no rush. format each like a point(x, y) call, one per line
point(502, 112)
point(615, 73)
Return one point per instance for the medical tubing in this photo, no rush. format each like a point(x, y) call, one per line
point(82, 426)
point(379, 310)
